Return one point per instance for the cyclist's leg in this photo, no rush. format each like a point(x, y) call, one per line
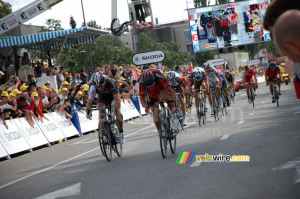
point(224, 87)
point(271, 86)
point(101, 107)
point(278, 83)
point(171, 104)
point(153, 106)
point(196, 87)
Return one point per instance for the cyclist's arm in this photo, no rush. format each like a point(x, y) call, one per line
point(255, 77)
point(171, 93)
point(92, 93)
point(117, 100)
point(220, 78)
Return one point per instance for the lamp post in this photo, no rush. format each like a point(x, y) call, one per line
point(89, 49)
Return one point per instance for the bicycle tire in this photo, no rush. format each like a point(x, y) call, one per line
point(162, 139)
point(118, 147)
point(276, 95)
point(252, 96)
point(214, 108)
point(100, 141)
point(107, 147)
point(172, 141)
point(199, 111)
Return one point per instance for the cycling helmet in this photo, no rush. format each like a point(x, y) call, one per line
point(198, 76)
point(205, 65)
point(246, 66)
point(227, 73)
point(273, 64)
point(148, 79)
point(171, 75)
point(98, 79)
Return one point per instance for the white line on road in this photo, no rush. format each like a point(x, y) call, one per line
point(139, 130)
point(297, 112)
point(195, 164)
point(225, 137)
point(138, 123)
point(251, 114)
point(48, 168)
point(263, 102)
point(240, 122)
point(80, 141)
point(55, 165)
point(73, 190)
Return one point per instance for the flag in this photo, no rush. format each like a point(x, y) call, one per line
point(134, 73)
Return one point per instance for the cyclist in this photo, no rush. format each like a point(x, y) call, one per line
point(198, 78)
point(273, 72)
point(179, 86)
point(231, 80)
point(224, 86)
point(214, 80)
point(153, 86)
point(248, 75)
point(107, 92)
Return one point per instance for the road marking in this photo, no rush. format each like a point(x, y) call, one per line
point(48, 168)
point(195, 164)
point(225, 137)
point(251, 114)
point(240, 122)
point(289, 165)
point(139, 131)
point(297, 112)
point(138, 123)
point(73, 190)
point(80, 141)
point(263, 102)
point(190, 124)
point(65, 161)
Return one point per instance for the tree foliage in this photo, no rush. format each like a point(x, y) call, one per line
point(5, 9)
point(201, 3)
point(92, 24)
point(52, 25)
point(72, 22)
point(104, 50)
point(172, 50)
point(202, 57)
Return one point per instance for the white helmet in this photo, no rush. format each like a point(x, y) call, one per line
point(98, 79)
point(171, 75)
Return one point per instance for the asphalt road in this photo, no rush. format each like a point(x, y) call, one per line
point(76, 168)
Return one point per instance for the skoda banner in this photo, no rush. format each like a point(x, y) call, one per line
point(148, 57)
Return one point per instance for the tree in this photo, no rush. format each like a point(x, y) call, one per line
point(72, 22)
point(172, 50)
point(222, 1)
point(92, 24)
point(201, 3)
point(5, 9)
point(52, 25)
point(104, 50)
point(202, 57)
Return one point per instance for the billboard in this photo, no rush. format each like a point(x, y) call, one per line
point(228, 25)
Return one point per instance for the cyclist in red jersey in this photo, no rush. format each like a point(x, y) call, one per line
point(273, 72)
point(249, 76)
point(153, 87)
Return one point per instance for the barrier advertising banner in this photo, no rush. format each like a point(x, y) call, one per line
point(11, 139)
point(50, 129)
point(67, 128)
point(3, 152)
point(87, 124)
point(132, 110)
point(34, 136)
point(125, 111)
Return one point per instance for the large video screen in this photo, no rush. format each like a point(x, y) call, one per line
point(228, 25)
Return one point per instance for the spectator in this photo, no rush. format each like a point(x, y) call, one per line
point(11, 70)
point(44, 72)
point(60, 77)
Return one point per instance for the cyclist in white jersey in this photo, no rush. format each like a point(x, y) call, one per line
point(214, 80)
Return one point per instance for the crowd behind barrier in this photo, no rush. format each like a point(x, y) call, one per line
point(20, 136)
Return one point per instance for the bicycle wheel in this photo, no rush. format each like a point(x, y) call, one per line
point(214, 106)
point(117, 146)
point(100, 141)
point(231, 94)
point(171, 137)
point(199, 112)
point(107, 147)
point(162, 138)
point(252, 96)
point(224, 104)
point(276, 95)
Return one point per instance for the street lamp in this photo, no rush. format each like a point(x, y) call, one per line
point(89, 49)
